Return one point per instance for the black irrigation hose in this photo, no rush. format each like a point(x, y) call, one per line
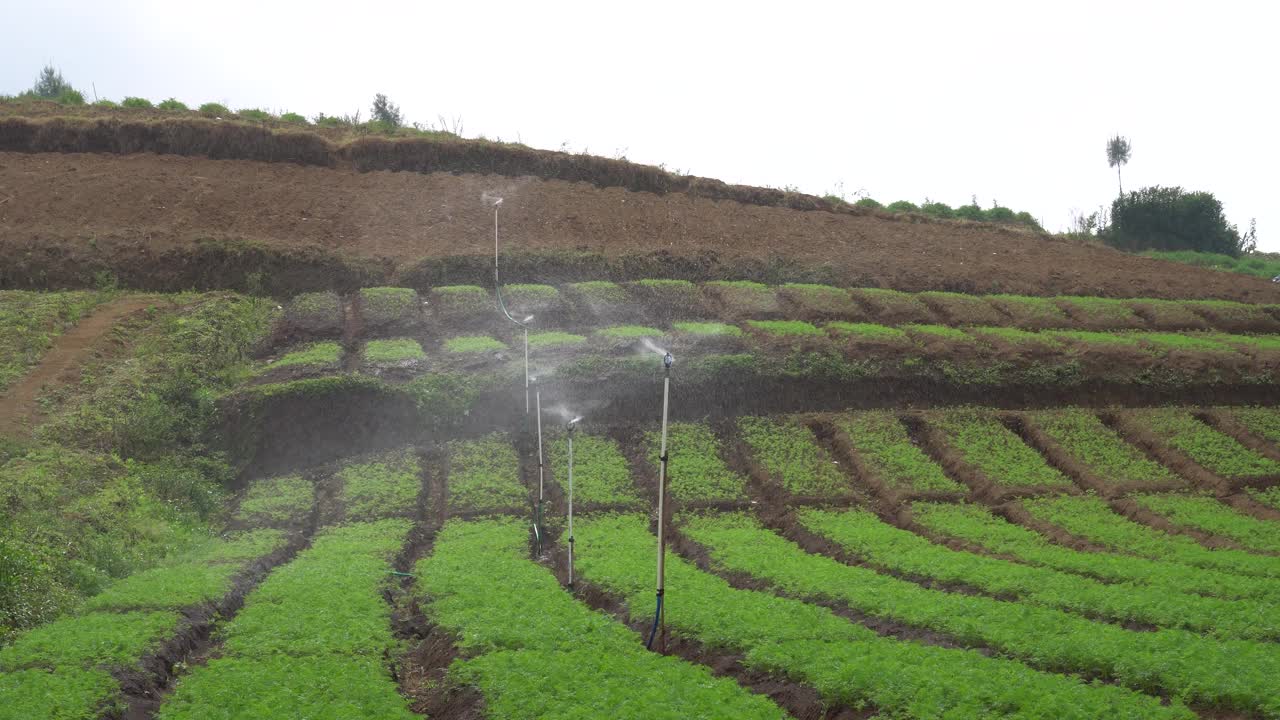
point(656, 615)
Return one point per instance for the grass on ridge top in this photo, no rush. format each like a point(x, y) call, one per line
point(385, 305)
point(785, 327)
point(599, 291)
point(942, 331)
point(882, 443)
point(1094, 337)
point(790, 453)
point(821, 298)
point(473, 344)
point(707, 328)
point(316, 311)
point(393, 351)
point(868, 331)
point(985, 443)
point(1184, 341)
point(321, 354)
point(1100, 313)
point(1031, 313)
point(1219, 453)
point(1016, 336)
point(460, 299)
point(964, 309)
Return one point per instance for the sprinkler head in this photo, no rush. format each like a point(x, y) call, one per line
point(527, 320)
point(497, 202)
point(668, 360)
point(573, 424)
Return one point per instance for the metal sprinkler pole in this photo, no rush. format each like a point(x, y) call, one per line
point(572, 425)
point(526, 370)
point(659, 620)
point(537, 394)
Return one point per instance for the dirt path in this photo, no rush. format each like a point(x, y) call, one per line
point(19, 412)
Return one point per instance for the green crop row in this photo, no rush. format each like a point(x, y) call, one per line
point(979, 525)
point(789, 453)
point(1235, 674)
point(201, 576)
point(311, 640)
point(885, 448)
point(697, 471)
point(863, 534)
point(315, 312)
point(1206, 514)
point(848, 665)
point(319, 355)
point(1218, 453)
point(387, 487)
point(1100, 448)
point(484, 475)
point(29, 321)
point(1090, 518)
point(1261, 421)
point(382, 306)
point(63, 669)
point(985, 443)
point(1269, 497)
point(601, 474)
point(284, 500)
point(534, 652)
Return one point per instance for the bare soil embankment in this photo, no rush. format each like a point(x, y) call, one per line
point(144, 215)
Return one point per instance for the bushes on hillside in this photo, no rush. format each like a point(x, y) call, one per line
point(136, 102)
point(1170, 218)
point(214, 110)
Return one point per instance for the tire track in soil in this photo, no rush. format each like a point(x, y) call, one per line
point(146, 685)
point(19, 411)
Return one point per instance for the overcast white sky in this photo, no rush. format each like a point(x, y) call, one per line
point(1011, 101)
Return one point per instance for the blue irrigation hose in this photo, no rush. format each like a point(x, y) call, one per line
point(654, 632)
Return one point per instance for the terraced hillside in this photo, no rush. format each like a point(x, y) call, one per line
point(354, 502)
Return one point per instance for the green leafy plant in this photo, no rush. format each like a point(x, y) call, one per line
point(789, 452)
point(883, 445)
point(294, 119)
point(524, 299)
point(473, 344)
point(1168, 660)
point(460, 301)
point(892, 306)
point(996, 451)
point(68, 694)
point(393, 351)
point(744, 296)
point(315, 312)
point(821, 299)
point(978, 525)
point(484, 475)
point(323, 354)
point(382, 306)
point(254, 114)
point(380, 489)
point(172, 105)
point(864, 535)
point(961, 309)
point(1219, 453)
point(90, 640)
point(1097, 313)
point(600, 472)
point(136, 102)
point(1206, 514)
point(1261, 421)
point(1101, 449)
point(599, 292)
point(809, 643)
point(697, 471)
point(1032, 313)
point(939, 331)
point(532, 649)
point(867, 331)
point(1091, 518)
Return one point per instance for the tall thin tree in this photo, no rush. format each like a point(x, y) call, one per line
point(1118, 150)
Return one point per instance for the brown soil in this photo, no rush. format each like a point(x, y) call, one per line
point(19, 411)
point(87, 209)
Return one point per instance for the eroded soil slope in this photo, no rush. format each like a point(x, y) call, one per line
point(102, 203)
